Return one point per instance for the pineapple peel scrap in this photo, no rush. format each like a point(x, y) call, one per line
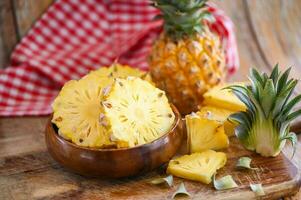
point(181, 191)
point(257, 189)
point(167, 180)
point(244, 163)
point(224, 183)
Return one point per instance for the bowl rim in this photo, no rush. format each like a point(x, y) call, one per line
point(173, 127)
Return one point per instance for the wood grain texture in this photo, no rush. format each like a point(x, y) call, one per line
point(8, 37)
point(36, 176)
point(268, 31)
point(26, 13)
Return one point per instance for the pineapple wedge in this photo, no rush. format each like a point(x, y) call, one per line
point(205, 132)
point(221, 115)
point(197, 166)
point(137, 111)
point(217, 97)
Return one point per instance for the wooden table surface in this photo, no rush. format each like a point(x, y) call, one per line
point(268, 32)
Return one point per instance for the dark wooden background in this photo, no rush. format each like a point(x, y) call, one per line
point(16, 17)
point(268, 32)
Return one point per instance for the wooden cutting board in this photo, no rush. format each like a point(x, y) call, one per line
point(37, 176)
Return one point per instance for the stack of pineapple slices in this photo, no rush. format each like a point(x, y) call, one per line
point(207, 130)
point(112, 107)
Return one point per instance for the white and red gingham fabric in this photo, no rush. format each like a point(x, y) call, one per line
point(75, 36)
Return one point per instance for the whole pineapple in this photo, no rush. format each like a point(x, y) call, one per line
point(187, 59)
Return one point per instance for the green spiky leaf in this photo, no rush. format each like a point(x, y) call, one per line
point(183, 18)
point(264, 126)
point(292, 137)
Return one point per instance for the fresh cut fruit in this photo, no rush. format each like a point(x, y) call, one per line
point(221, 115)
point(117, 70)
point(205, 132)
point(220, 97)
point(77, 113)
point(197, 166)
point(137, 111)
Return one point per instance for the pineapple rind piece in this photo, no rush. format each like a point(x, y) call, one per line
point(77, 111)
point(197, 166)
point(219, 114)
point(137, 111)
point(205, 133)
point(217, 97)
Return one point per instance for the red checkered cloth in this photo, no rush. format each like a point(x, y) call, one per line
point(76, 36)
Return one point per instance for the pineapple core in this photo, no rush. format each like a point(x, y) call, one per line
point(205, 132)
point(197, 166)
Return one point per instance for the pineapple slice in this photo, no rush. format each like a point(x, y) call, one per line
point(205, 133)
point(77, 113)
point(221, 115)
point(197, 166)
point(119, 71)
point(137, 111)
point(217, 97)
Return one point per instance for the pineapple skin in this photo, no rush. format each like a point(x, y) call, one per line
point(217, 97)
point(221, 115)
point(197, 166)
point(187, 68)
point(204, 133)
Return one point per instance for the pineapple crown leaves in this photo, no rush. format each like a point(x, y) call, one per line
point(183, 17)
point(267, 97)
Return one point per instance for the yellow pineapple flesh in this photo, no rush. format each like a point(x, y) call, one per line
point(197, 166)
point(137, 111)
point(77, 113)
point(205, 132)
point(117, 70)
point(221, 115)
point(223, 98)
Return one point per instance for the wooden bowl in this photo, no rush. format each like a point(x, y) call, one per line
point(115, 163)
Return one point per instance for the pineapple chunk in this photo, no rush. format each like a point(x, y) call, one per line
point(221, 115)
point(205, 133)
point(217, 97)
point(197, 166)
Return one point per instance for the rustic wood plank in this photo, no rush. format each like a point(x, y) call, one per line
point(8, 36)
point(27, 12)
point(36, 176)
point(278, 31)
point(21, 135)
point(32, 173)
